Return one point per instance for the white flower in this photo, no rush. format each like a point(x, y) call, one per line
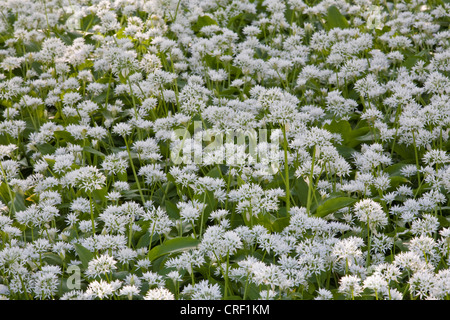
point(159, 294)
point(203, 290)
point(190, 211)
point(323, 294)
point(350, 285)
point(87, 178)
point(103, 264)
point(129, 291)
point(101, 289)
point(370, 213)
point(123, 129)
point(422, 284)
point(376, 283)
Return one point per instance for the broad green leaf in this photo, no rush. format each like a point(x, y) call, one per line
point(240, 20)
point(369, 136)
point(93, 151)
point(345, 151)
point(64, 136)
point(172, 210)
point(121, 274)
point(52, 258)
point(51, 162)
point(300, 191)
point(173, 246)
point(407, 153)
point(144, 240)
point(350, 137)
point(401, 245)
point(202, 22)
point(341, 127)
point(89, 21)
point(214, 173)
point(332, 205)
point(46, 148)
point(395, 169)
point(98, 195)
point(19, 201)
point(410, 61)
point(253, 293)
point(279, 224)
point(397, 180)
point(84, 254)
point(207, 197)
point(267, 220)
point(335, 19)
point(443, 221)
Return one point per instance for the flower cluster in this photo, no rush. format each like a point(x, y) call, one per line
point(338, 186)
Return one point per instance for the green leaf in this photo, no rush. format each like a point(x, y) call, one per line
point(19, 201)
point(280, 224)
point(332, 205)
point(253, 292)
point(350, 137)
point(369, 136)
point(395, 169)
point(342, 127)
point(203, 21)
point(405, 152)
point(144, 240)
point(93, 151)
point(410, 61)
point(207, 197)
point(401, 245)
point(173, 246)
point(345, 152)
point(84, 254)
point(335, 19)
point(121, 274)
point(443, 221)
point(354, 138)
point(89, 21)
point(46, 148)
point(172, 210)
point(273, 223)
point(397, 180)
point(300, 191)
point(214, 173)
point(52, 258)
point(64, 136)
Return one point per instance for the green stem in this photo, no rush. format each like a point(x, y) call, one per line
point(11, 196)
point(368, 245)
point(92, 213)
point(417, 158)
point(130, 234)
point(134, 170)
point(151, 240)
point(202, 216)
point(310, 185)
point(286, 171)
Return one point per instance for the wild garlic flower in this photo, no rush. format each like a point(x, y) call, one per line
point(159, 294)
point(370, 213)
point(87, 178)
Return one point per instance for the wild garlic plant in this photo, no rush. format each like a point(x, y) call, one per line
point(255, 149)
